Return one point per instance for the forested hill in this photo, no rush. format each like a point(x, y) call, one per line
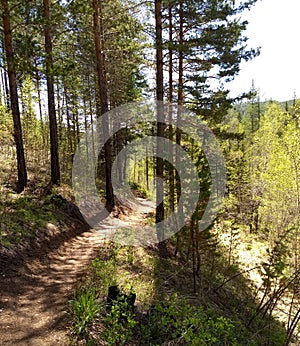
point(243, 107)
point(139, 203)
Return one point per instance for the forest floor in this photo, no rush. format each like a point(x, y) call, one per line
point(35, 288)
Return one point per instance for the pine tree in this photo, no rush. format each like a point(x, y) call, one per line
point(14, 100)
point(210, 46)
point(55, 169)
point(160, 129)
point(103, 97)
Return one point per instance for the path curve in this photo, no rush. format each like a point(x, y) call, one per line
point(33, 301)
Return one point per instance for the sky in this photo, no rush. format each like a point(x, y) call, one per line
point(274, 25)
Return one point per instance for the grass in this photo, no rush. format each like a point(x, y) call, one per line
point(163, 285)
point(24, 217)
point(123, 266)
point(85, 308)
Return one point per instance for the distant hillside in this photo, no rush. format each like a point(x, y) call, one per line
point(243, 106)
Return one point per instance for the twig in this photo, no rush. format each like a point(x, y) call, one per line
point(234, 276)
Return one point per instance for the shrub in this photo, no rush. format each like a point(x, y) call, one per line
point(197, 326)
point(120, 323)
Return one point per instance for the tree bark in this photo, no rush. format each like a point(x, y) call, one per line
point(179, 101)
point(39, 99)
point(59, 113)
point(55, 170)
point(14, 101)
point(103, 96)
point(178, 131)
point(160, 210)
point(4, 84)
point(70, 139)
point(171, 166)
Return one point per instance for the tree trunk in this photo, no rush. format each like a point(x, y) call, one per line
point(59, 113)
point(160, 211)
point(3, 90)
point(103, 96)
point(24, 124)
point(147, 168)
point(4, 74)
point(70, 137)
point(4, 86)
point(92, 126)
point(76, 121)
point(180, 102)
point(14, 102)
point(55, 170)
point(39, 98)
point(171, 166)
point(178, 131)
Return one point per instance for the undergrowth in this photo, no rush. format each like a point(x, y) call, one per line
point(24, 216)
point(166, 311)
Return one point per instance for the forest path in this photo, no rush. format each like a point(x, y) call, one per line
point(34, 295)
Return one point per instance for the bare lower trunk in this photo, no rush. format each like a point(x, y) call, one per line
point(103, 96)
point(171, 168)
point(55, 170)
point(160, 211)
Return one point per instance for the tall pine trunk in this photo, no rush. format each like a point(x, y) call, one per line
point(39, 100)
point(55, 170)
point(178, 131)
point(179, 98)
point(160, 130)
point(69, 129)
point(4, 84)
point(14, 101)
point(103, 97)
point(171, 168)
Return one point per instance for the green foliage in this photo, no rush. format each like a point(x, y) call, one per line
point(277, 262)
point(104, 273)
point(165, 322)
point(215, 331)
point(274, 164)
point(32, 128)
point(21, 217)
point(175, 319)
point(214, 46)
point(162, 317)
point(7, 147)
point(262, 148)
point(6, 126)
point(263, 170)
point(85, 308)
point(120, 323)
point(264, 194)
point(140, 189)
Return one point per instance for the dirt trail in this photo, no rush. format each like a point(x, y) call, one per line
point(33, 301)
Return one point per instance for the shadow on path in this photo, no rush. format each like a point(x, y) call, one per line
point(36, 284)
